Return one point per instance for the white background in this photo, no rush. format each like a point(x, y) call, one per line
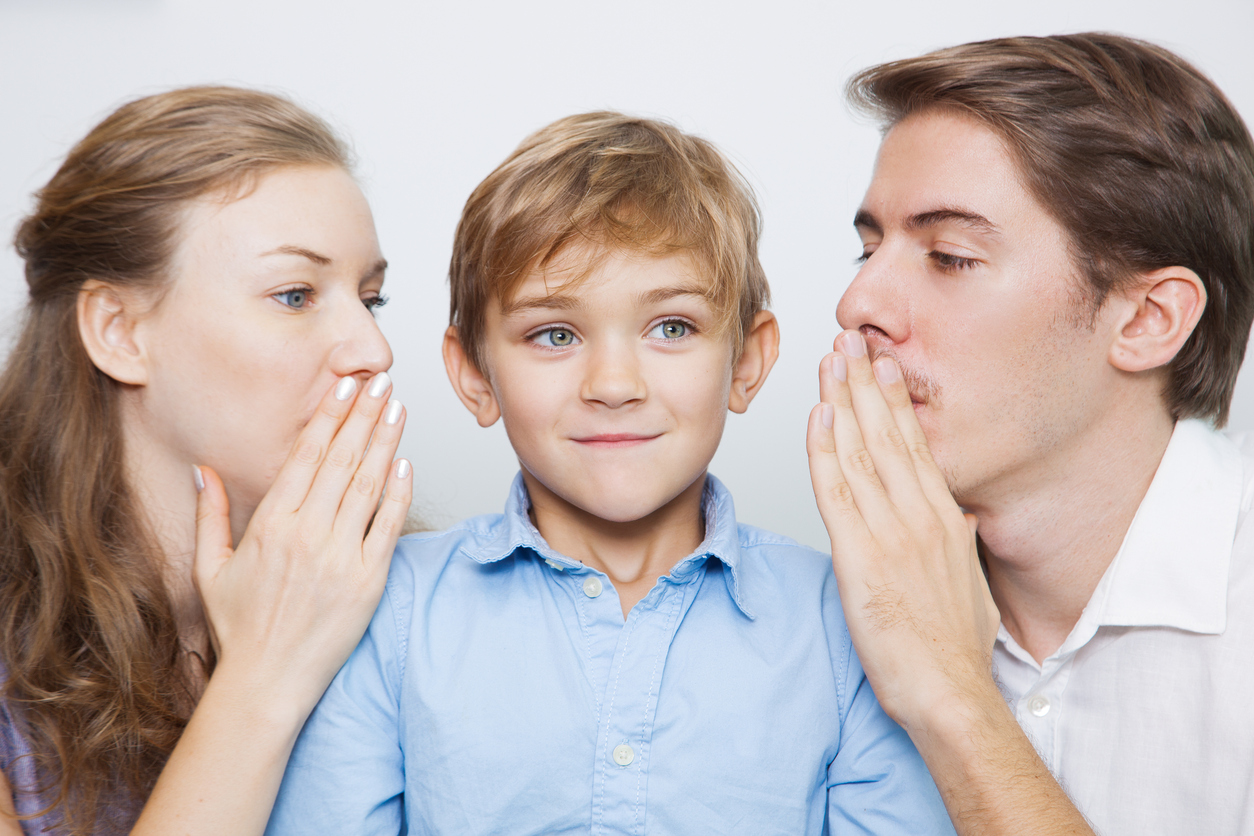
point(434, 95)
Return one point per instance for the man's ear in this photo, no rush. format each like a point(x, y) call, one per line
point(471, 385)
point(760, 353)
point(107, 320)
point(1154, 318)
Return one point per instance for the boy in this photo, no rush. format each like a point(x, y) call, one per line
point(614, 653)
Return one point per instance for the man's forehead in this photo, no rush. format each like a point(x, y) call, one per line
point(938, 167)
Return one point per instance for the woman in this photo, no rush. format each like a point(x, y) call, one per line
point(202, 274)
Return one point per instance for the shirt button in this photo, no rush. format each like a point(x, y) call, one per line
point(1039, 706)
point(559, 567)
point(592, 588)
point(623, 754)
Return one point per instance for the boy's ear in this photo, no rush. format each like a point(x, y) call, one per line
point(1154, 318)
point(107, 320)
point(760, 353)
point(470, 384)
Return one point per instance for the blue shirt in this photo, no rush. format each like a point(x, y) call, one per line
point(498, 690)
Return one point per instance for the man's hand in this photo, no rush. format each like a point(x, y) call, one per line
point(918, 605)
point(916, 601)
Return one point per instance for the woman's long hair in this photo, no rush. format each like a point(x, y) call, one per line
point(87, 633)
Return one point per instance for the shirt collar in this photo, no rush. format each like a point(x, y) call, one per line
point(1172, 569)
point(722, 539)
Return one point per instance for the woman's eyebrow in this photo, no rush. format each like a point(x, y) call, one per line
point(292, 249)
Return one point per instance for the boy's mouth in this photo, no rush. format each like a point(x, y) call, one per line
point(615, 439)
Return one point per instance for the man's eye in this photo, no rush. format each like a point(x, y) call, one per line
point(297, 298)
point(671, 330)
point(555, 337)
point(949, 261)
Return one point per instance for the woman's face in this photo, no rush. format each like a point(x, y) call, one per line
point(269, 302)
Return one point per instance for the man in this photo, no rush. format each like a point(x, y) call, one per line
point(1057, 290)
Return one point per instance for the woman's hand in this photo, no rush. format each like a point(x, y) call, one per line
point(285, 607)
point(289, 603)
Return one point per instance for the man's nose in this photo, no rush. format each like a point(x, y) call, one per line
point(877, 297)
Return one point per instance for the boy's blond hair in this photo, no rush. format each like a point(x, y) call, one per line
point(615, 182)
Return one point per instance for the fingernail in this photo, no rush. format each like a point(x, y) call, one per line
point(198, 478)
point(402, 469)
point(851, 342)
point(379, 386)
point(393, 413)
point(839, 368)
point(345, 388)
point(826, 413)
point(886, 371)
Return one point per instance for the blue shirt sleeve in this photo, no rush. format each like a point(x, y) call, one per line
point(346, 772)
point(878, 783)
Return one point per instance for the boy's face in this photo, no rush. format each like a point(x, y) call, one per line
point(614, 389)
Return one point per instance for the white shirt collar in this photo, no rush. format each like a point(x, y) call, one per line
point(1172, 569)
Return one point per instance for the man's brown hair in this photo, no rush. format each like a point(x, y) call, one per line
point(1138, 155)
point(613, 182)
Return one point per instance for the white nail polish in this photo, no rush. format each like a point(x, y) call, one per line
point(345, 388)
point(198, 478)
point(393, 413)
point(402, 469)
point(380, 384)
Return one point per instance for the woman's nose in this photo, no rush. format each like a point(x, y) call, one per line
point(361, 349)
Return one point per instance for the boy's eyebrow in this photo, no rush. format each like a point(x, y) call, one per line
point(554, 301)
point(662, 294)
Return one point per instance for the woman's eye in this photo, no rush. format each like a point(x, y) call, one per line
point(293, 298)
point(555, 337)
point(672, 330)
point(373, 303)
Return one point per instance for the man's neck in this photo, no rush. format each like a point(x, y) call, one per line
point(1047, 543)
point(633, 554)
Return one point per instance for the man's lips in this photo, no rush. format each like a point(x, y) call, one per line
point(614, 439)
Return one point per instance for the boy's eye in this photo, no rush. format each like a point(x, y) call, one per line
point(296, 298)
point(671, 330)
point(555, 337)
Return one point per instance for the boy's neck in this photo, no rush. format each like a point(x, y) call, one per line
point(633, 554)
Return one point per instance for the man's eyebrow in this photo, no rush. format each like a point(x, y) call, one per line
point(865, 220)
point(924, 220)
point(949, 214)
point(552, 302)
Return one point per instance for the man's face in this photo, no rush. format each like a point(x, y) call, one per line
point(967, 282)
point(613, 390)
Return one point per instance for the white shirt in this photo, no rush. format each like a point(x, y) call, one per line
point(1146, 712)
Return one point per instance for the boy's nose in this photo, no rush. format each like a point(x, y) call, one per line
point(613, 378)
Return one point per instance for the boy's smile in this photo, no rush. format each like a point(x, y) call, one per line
point(614, 389)
point(613, 372)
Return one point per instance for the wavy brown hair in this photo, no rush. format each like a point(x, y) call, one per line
point(95, 671)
